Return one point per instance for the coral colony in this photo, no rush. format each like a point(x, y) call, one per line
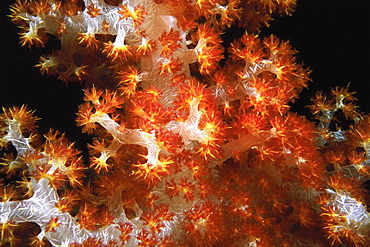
point(193, 140)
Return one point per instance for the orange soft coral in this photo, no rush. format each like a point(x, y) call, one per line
point(193, 140)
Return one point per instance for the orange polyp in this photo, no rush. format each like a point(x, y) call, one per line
point(192, 140)
point(88, 40)
point(170, 42)
point(33, 37)
point(170, 67)
point(53, 224)
point(136, 14)
point(93, 11)
point(122, 52)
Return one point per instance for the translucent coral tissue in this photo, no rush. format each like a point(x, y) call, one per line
point(193, 139)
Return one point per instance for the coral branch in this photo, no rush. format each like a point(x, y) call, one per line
point(193, 139)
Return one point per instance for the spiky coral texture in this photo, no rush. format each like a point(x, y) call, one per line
point(188, 151)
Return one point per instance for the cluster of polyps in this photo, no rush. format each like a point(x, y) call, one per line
point(194, 144)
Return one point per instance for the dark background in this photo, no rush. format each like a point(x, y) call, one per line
point(332, 37)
